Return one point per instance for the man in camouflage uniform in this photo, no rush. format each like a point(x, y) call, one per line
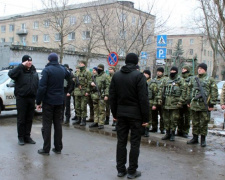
point(201, 103)
point(81, 93)
point(100, 92)
point(159, 110)
point(152, 95)
point(172, 94)
point(111, 72)
point(184, 121)
point(222, 97)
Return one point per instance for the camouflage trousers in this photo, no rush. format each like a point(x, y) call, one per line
point(171, 116)
point(90, 103)
point(99, 111)
point(107, 109)
point(200, 120)
point(155, 114)
point(81, 106)
point(184, 121)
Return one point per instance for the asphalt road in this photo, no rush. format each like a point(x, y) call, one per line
point(91, 156)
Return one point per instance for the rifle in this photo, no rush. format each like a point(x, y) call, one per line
point(202, 94)
point(78, 82)
point(223, 119)
point(96, 86)
point(163, 95)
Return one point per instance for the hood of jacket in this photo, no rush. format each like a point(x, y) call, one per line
point(128, 68)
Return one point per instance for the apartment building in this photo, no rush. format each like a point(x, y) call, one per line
point(193, 45)
point(97, 27)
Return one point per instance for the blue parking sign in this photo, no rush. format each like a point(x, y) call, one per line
point(161, 53)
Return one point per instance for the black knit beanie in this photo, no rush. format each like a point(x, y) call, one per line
point(174, 68)
point(160, 69)
point(147, 72)
point(26, 58)
point(203, 66)
point(53, 57)
point(131, 58)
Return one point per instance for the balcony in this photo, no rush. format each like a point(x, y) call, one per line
point(22, 32)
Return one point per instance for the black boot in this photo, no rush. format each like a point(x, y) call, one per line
point(167, 136)
point(77, 121)
point(172, 137)
point(203, 141)
point(194, 140)
point(21, 141)
point(146, 132)
point(83, 122)
point(93, 125)
point(67, 122)
point(153, 130)
point(106, 120)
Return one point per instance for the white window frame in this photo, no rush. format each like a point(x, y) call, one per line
point(23, 26)
point(169, 52)
point(123, 34)
point(87, 19)
point(191, 41)
point(123, 17)
point(57, 37)
point(84, 35)
point(59, 22)
point(3, 28)
point(72, 20)
point(34, 38)
point(191, 51)
point(35, 25)
point(11, 27)
point(121, 52)
point(46, 38)
point(148, 25)
point(11, 39)
point(2, 40)
point(170, 42)
point(46, 23)
point(133, 20)
point(149, 40)
point(71, 36)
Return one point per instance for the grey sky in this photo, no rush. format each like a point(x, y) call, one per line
point(179, 10)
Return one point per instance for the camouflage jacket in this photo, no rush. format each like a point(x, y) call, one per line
point(210, 89)
point(172, 92)
point(102, 82)
point(82, 81)
point(222, 95)
point(187, 78)
point(152, 92)
point(159, 81)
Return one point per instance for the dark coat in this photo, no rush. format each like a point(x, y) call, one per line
point(26, 81)
point(128, 94)
point(51, 85)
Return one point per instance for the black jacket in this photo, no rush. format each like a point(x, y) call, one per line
point(26, 81)
point(128, 94)
point(51, 85)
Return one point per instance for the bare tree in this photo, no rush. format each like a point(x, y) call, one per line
point(61, 22)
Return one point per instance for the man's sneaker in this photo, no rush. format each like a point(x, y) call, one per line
point(42, 152)
point(55, 151)
point(29, 141)
point(122, 174)
point(93, 125)
point(133, 176)
point(21, 141)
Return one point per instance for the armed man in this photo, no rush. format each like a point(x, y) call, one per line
point(159, 110)
point(172, 95)
point(100, 93)
point(184, 121)
point(203, 95)
point(81, 93)
point(152, 96)
point(111, 73)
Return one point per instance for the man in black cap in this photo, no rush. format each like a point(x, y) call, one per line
point(26, 84)
point(51, 95)
point(172, 94)
point(128, 97)
point(201, 103)
point(159, 110)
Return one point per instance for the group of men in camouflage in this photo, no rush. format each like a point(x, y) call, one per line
point(177, 99)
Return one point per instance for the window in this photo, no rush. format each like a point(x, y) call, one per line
point(3, 29)
point(72, 20)
point(71, 36)
point(170, 42)
point(11, 27)
point(148, 25)
point(180, 41)
point(140, 22)
point(210, 53)
point(191, 41)
point(133, 20)
point(59, 22)
point(11, 39)
point(46, 37)
point(121, 52)
point(204, 52)
point(169, 51)
point(46, 23)
point(23, 26)
point(122, 34)
point(87, 19)
point(191, 51)
point(36, 24)
point(149, 40)
point(57, 37)
point(2, 40)
point(123, 17)
point(86, 35)
point(35, 38)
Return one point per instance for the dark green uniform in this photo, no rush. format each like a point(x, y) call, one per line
point(185, 112)
point(97, 96)
point(172, 93)
point(82, 79)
